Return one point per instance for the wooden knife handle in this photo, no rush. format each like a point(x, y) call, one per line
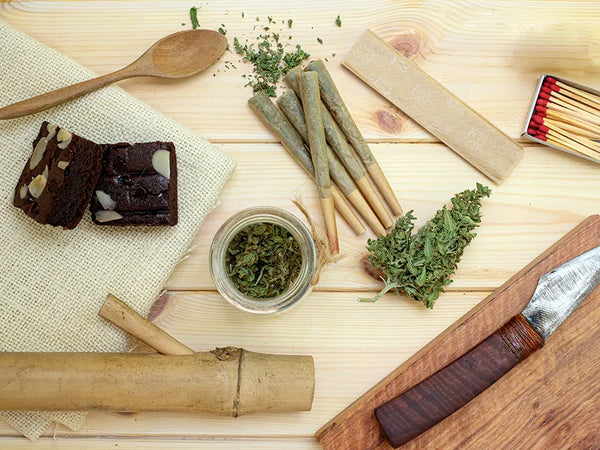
point(446, 391)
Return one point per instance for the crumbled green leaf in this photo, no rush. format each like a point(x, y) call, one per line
point(338, 21)
point(194, 17)
point(270, 62)
point(319, 40)
point(263, 260)
point(242, 14)
point(222, 31)
point(419, 265)
point(290, 22)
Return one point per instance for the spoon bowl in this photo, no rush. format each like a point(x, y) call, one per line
point(185, 53)
point(177, 55)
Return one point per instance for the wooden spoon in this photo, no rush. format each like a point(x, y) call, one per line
point(177, 55)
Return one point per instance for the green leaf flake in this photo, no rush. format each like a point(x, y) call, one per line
point(194, 17)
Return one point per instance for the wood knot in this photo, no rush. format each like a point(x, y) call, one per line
point(159, 305)
point(408, 44)
point(388, 121)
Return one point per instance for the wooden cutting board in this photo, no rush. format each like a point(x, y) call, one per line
point(550, 400)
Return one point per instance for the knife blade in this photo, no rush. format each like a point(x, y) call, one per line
point(557, 294)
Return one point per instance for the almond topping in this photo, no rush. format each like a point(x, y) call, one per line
point(105, 200)
point(62, 164)
point(38, 153)
point(51, 131)
point(107, 216)
point(37, 185)
point(161, 162)
point(64, 138)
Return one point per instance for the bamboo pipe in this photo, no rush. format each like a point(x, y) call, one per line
point(337, 108)
point(292, 108)
point(338, 143)
point(311, 99)
point(275, 121)
point(226, 381)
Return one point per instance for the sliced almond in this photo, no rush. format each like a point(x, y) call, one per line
point(23, 192)
point(161, 162)
point(107, 216)
point(51, 131)
point(38, 152)
point(105, 200)
point(37, 185)
point(62, 164)
point(64, 138)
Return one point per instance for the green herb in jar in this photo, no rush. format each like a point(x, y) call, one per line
point(263, 260)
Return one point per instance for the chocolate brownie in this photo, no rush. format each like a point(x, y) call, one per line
point(137, 186)
point(58, 179)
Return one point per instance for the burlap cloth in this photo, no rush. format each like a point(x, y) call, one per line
point(53, 282)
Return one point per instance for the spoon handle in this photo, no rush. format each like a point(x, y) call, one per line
point(53, 98)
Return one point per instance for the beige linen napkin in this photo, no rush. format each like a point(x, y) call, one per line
point(52, 281)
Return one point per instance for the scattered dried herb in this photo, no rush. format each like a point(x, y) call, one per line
point(270, 62)
point(222, 30)
point(338, 21)
point(290, 22)
point(263, 260)
point(419, 265)
point(194, 17)
point(319, 40)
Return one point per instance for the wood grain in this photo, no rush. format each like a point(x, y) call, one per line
point(533, 208)
point(539, 379)
point(490, 54)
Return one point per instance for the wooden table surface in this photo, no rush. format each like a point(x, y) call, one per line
point(488, 53)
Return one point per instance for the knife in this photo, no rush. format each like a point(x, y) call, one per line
point(557, 295)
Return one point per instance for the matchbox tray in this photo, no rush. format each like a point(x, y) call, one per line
point(532, 111)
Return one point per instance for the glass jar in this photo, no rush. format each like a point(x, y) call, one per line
point(299, 289)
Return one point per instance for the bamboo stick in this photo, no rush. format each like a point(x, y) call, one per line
point(334, 102)
point(127, 319)
point(292, 108)
point(343, 150)
point(228, 381)
point(309, 92)
point(276, 122)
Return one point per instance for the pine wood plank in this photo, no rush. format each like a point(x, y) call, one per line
point(535, 206)
point(48, 442)
point(555, 387)
point(489, 53)
point(354, 345)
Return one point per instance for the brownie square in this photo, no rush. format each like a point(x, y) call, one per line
point(137, 186)
point(57, 181)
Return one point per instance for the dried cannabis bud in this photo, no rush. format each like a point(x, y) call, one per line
point(419, 265)
point(263, 260)
point(270, 62)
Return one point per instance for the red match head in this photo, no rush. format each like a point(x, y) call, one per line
point(551, 80)
point(538, 118)
point(544, 95)
point(541, 109)
point(532, 131)
point(546, 89)
point(543, 128)
point(541, 102)
point(542, 137)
